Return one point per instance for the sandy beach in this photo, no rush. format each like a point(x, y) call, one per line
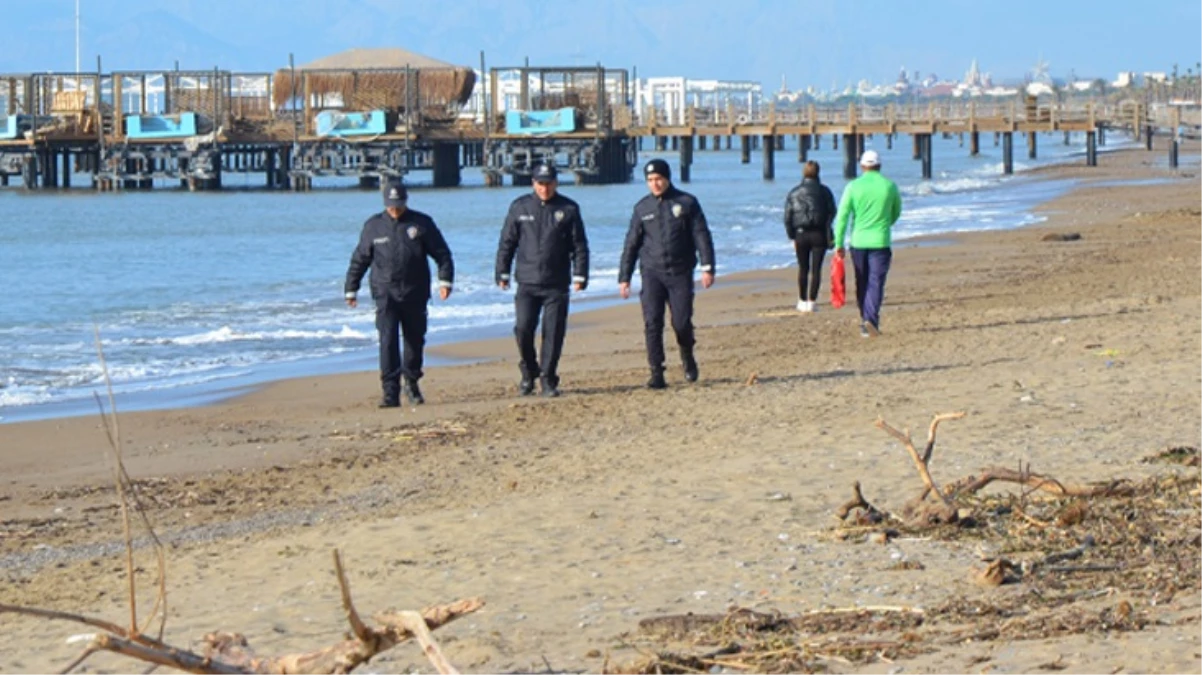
point(576, 518)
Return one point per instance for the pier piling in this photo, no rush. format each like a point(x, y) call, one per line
point(927, 167)
point(850, 160)
point(686, 158)
point(1008, 153)
point(769, 157)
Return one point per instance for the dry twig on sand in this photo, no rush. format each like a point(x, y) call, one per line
point(229, 652)
point(948, 505)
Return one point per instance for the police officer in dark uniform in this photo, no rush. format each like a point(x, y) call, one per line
point(394, 245)
point(544, 231)
point(667, 236)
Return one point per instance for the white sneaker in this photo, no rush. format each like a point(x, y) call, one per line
point(801, 305)
point(813, 306)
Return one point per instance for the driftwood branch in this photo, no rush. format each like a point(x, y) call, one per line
point(870, 513)
point(920, 462)
point(360, 630)
point(127, 496)
point(972, 484)
point(229, 652)
point(919, 512)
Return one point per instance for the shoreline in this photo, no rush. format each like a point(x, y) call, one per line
point(439, 353)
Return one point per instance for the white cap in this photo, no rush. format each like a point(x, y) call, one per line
point(870, 158)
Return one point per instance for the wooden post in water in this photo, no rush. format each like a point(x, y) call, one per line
point(916, 150)
point(745, 149)
point(1008, 153)
point(888, 141)
point(1148, 137)
point(701, 142)
point(849, 156)
point(927, 145)
point(446, 164)
point(974, 140)
point(1031, 144)
point(1066, 138)
point(676, 143)
point(803, 148)
point(1173, 145)
point(769, 154)
point(686, 158)
point(1091, 148)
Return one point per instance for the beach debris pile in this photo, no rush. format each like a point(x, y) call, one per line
point(1063, 560)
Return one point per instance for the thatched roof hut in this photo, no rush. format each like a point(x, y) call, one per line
point(379, 79)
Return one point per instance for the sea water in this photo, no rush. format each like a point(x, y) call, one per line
point(186, 298)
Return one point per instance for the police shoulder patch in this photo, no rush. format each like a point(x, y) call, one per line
point(412, 232)
point(677, 209)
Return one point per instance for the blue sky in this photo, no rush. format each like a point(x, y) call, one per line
point(822, 43)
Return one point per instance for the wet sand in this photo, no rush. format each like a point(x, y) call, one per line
point(577, 517)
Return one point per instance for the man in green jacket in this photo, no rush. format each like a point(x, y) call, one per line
point(874, 205)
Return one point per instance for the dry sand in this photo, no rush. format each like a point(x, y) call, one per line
point(576, 518)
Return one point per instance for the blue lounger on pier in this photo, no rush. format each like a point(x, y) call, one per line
point(13, 126)
point(161, 126)
point(540, 121)
point(338, 123)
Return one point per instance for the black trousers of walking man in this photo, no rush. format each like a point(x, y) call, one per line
point(675, 292)
point(552, 303)
point(410, 320)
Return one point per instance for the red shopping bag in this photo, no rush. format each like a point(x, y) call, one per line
point(838, 286)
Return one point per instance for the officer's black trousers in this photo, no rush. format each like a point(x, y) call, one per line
point(409, 319)
point(552, 303)
point(675, 292)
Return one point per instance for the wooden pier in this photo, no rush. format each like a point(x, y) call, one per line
point(80, 123)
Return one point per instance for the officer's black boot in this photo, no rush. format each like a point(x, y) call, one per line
point(657, 379)
point(550, 387)
point(526, 387)
point(391, 398)
point(412, 392)
point(690, 365)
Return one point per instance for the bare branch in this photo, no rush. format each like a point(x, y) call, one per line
point(416, 625)
point(904, 437)
point(357, 626)
point(926, 454)
point(88, 651)
point(103, 625)
point(972, 484)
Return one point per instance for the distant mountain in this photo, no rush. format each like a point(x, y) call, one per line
point(258, 36)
